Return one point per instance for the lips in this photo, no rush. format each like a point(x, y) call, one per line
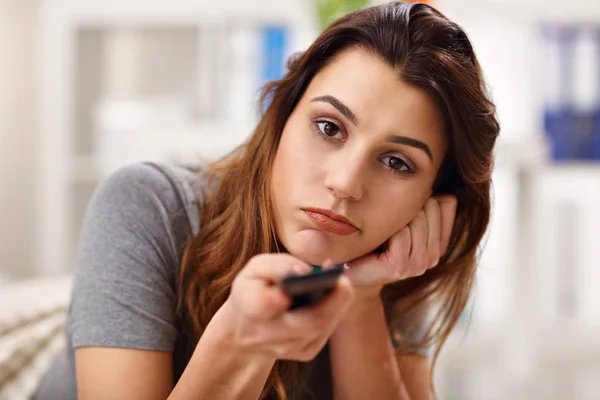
point(329, 221)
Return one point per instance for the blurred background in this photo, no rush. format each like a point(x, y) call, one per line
point(87, 86)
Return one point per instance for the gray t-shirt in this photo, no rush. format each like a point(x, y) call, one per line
point(125, 289)
point(124, 292)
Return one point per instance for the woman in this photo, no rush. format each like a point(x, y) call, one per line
point(375, 150)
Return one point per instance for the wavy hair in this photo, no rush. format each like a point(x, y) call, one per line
point(428, 51)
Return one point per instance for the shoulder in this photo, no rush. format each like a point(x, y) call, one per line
point(140, 216)
point(165, 180)
point(128, 259)
point(151, 189)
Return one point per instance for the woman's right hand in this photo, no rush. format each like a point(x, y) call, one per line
point(256, 317)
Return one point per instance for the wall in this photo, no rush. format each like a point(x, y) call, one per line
point(17, 132)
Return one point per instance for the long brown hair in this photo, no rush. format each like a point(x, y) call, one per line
point(428, 51)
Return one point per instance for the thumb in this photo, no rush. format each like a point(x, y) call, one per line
point(260, 295)
point(272, 268)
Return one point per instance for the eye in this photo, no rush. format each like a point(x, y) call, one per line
point(396, 164)
point(329, 130)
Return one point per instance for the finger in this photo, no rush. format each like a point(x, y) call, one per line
point(418, 251)
point(364, 270)
point(434, 221)
point(448, 206)
point(399, 246)
point(326, 312)
point(261, 302)
point(261, 297)
point(274, 267)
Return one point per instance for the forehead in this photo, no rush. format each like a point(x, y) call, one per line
point(380, 99)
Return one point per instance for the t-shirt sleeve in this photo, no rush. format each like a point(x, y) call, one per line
point(124, 293)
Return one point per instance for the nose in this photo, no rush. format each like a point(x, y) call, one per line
point(347, 176)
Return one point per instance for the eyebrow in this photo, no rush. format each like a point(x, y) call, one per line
point(341, 107)
point(411, 142)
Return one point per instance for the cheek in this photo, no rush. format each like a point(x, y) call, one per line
point(297, 157)
point(285, 159)
point(393, 211)
point(285, 173)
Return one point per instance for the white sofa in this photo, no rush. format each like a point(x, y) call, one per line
point(32, 318)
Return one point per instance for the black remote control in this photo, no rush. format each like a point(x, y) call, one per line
point(306, 290)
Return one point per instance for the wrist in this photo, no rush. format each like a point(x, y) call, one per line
point(216, 359)
point(363, 306)
point(367, 293)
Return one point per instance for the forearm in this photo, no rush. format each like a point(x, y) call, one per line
point(217, 371)
point(362, 357)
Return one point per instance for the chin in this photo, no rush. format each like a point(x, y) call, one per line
point(313, 247)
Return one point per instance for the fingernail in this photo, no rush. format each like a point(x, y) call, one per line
point(302, 269)
point(332, 265)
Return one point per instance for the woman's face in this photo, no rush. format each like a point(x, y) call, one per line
point(360, 145)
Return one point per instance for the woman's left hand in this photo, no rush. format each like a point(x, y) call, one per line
point(411, 251)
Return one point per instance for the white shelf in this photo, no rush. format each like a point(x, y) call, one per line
point(533, 155)
point(582, 11)
point(186, 145)
point(529, 153)
point(177, 12)
point(574, 171)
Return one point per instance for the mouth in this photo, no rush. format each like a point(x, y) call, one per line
point(330, 221)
